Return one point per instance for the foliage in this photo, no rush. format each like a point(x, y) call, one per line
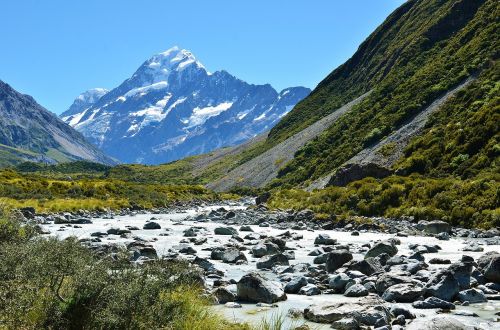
point(52, 284)
point(422, 50)
point(53, 194)
point(468, 203)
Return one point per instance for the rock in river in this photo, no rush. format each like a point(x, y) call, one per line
point(233, 255)
point(382, 247)
point(433, 302)
point(337, 259)
point(366, 310)
point(225, 231)
point(151, 225)
point(267, 262)
point(324, 239)
point(253, 287)
point(404, 293)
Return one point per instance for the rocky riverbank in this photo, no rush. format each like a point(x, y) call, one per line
point(377, 272)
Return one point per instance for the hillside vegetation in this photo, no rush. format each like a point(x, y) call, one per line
point(450, 170)
point(62, 188)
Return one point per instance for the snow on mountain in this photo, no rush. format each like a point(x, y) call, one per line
point(83, 101)
point(172, 107)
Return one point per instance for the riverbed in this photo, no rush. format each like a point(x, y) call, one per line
point(173, 225)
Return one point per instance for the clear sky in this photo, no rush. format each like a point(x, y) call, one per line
point(56, 49)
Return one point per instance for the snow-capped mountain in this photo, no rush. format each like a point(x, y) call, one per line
point(173, 107)
point(85, 100)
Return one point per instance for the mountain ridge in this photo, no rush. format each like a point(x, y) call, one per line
point(29, 132)
point(172, 107)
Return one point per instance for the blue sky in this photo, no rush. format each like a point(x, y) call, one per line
point(56, 49)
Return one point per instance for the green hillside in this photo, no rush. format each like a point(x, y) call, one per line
point(422, 50)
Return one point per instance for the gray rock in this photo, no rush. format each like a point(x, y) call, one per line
point(264, 249)
point(404, 293)
point(442, 285)
point(324, 239)
point(356, 290)
point(438, 323)
point(472, 296)
point(310, 290)
point(151, 225)
point(225, 231)
point(295, 284)
point(224, 295)
point(347, 323)
point(246, 228)
point(491, 267)
point(462, 272)
point(321, 259)
point(233, 255)
point(439, 261)
point(382, 247)
point(267, 262)
point(337, 259)
point(433, 302)
point(368, 266)
point(397, 310)
point(338, 282)
point(217, 253)
point(253, 287)
point(436, 227)
point(366, 310)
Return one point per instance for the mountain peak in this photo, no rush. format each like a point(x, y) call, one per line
point(173, 59)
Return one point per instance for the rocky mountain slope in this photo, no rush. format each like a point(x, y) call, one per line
point(28, 132)
point(415, 65)
point(172, 107)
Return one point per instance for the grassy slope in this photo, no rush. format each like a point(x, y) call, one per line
point(55, 191)
point(430, 61)
point(454, 161)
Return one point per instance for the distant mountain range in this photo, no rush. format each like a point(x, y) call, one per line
point(172, 107)
point(28, 132)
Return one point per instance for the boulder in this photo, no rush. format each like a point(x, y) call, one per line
point(310, 290)
point(246, 228)
point(397, 310)
point(380, 248)
point(356, 290)
point(217, 253)
point(462, 272)
point(404, 293)
point(387, 280)
point(267, 262)
point(295, 284)
point(368, 266)
point(224, 295)
point(151, 225)
point(489, 265)
point(337, 259)
point(233, 255)
point(472, 296)
point(437, 226)
point(433, 302)
point(225, 231)
point(264, 249)
point(338, 282)
point(442, 285)
point(253, 287)
point(367, 311)
point(438, 323)
point(324, 239)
